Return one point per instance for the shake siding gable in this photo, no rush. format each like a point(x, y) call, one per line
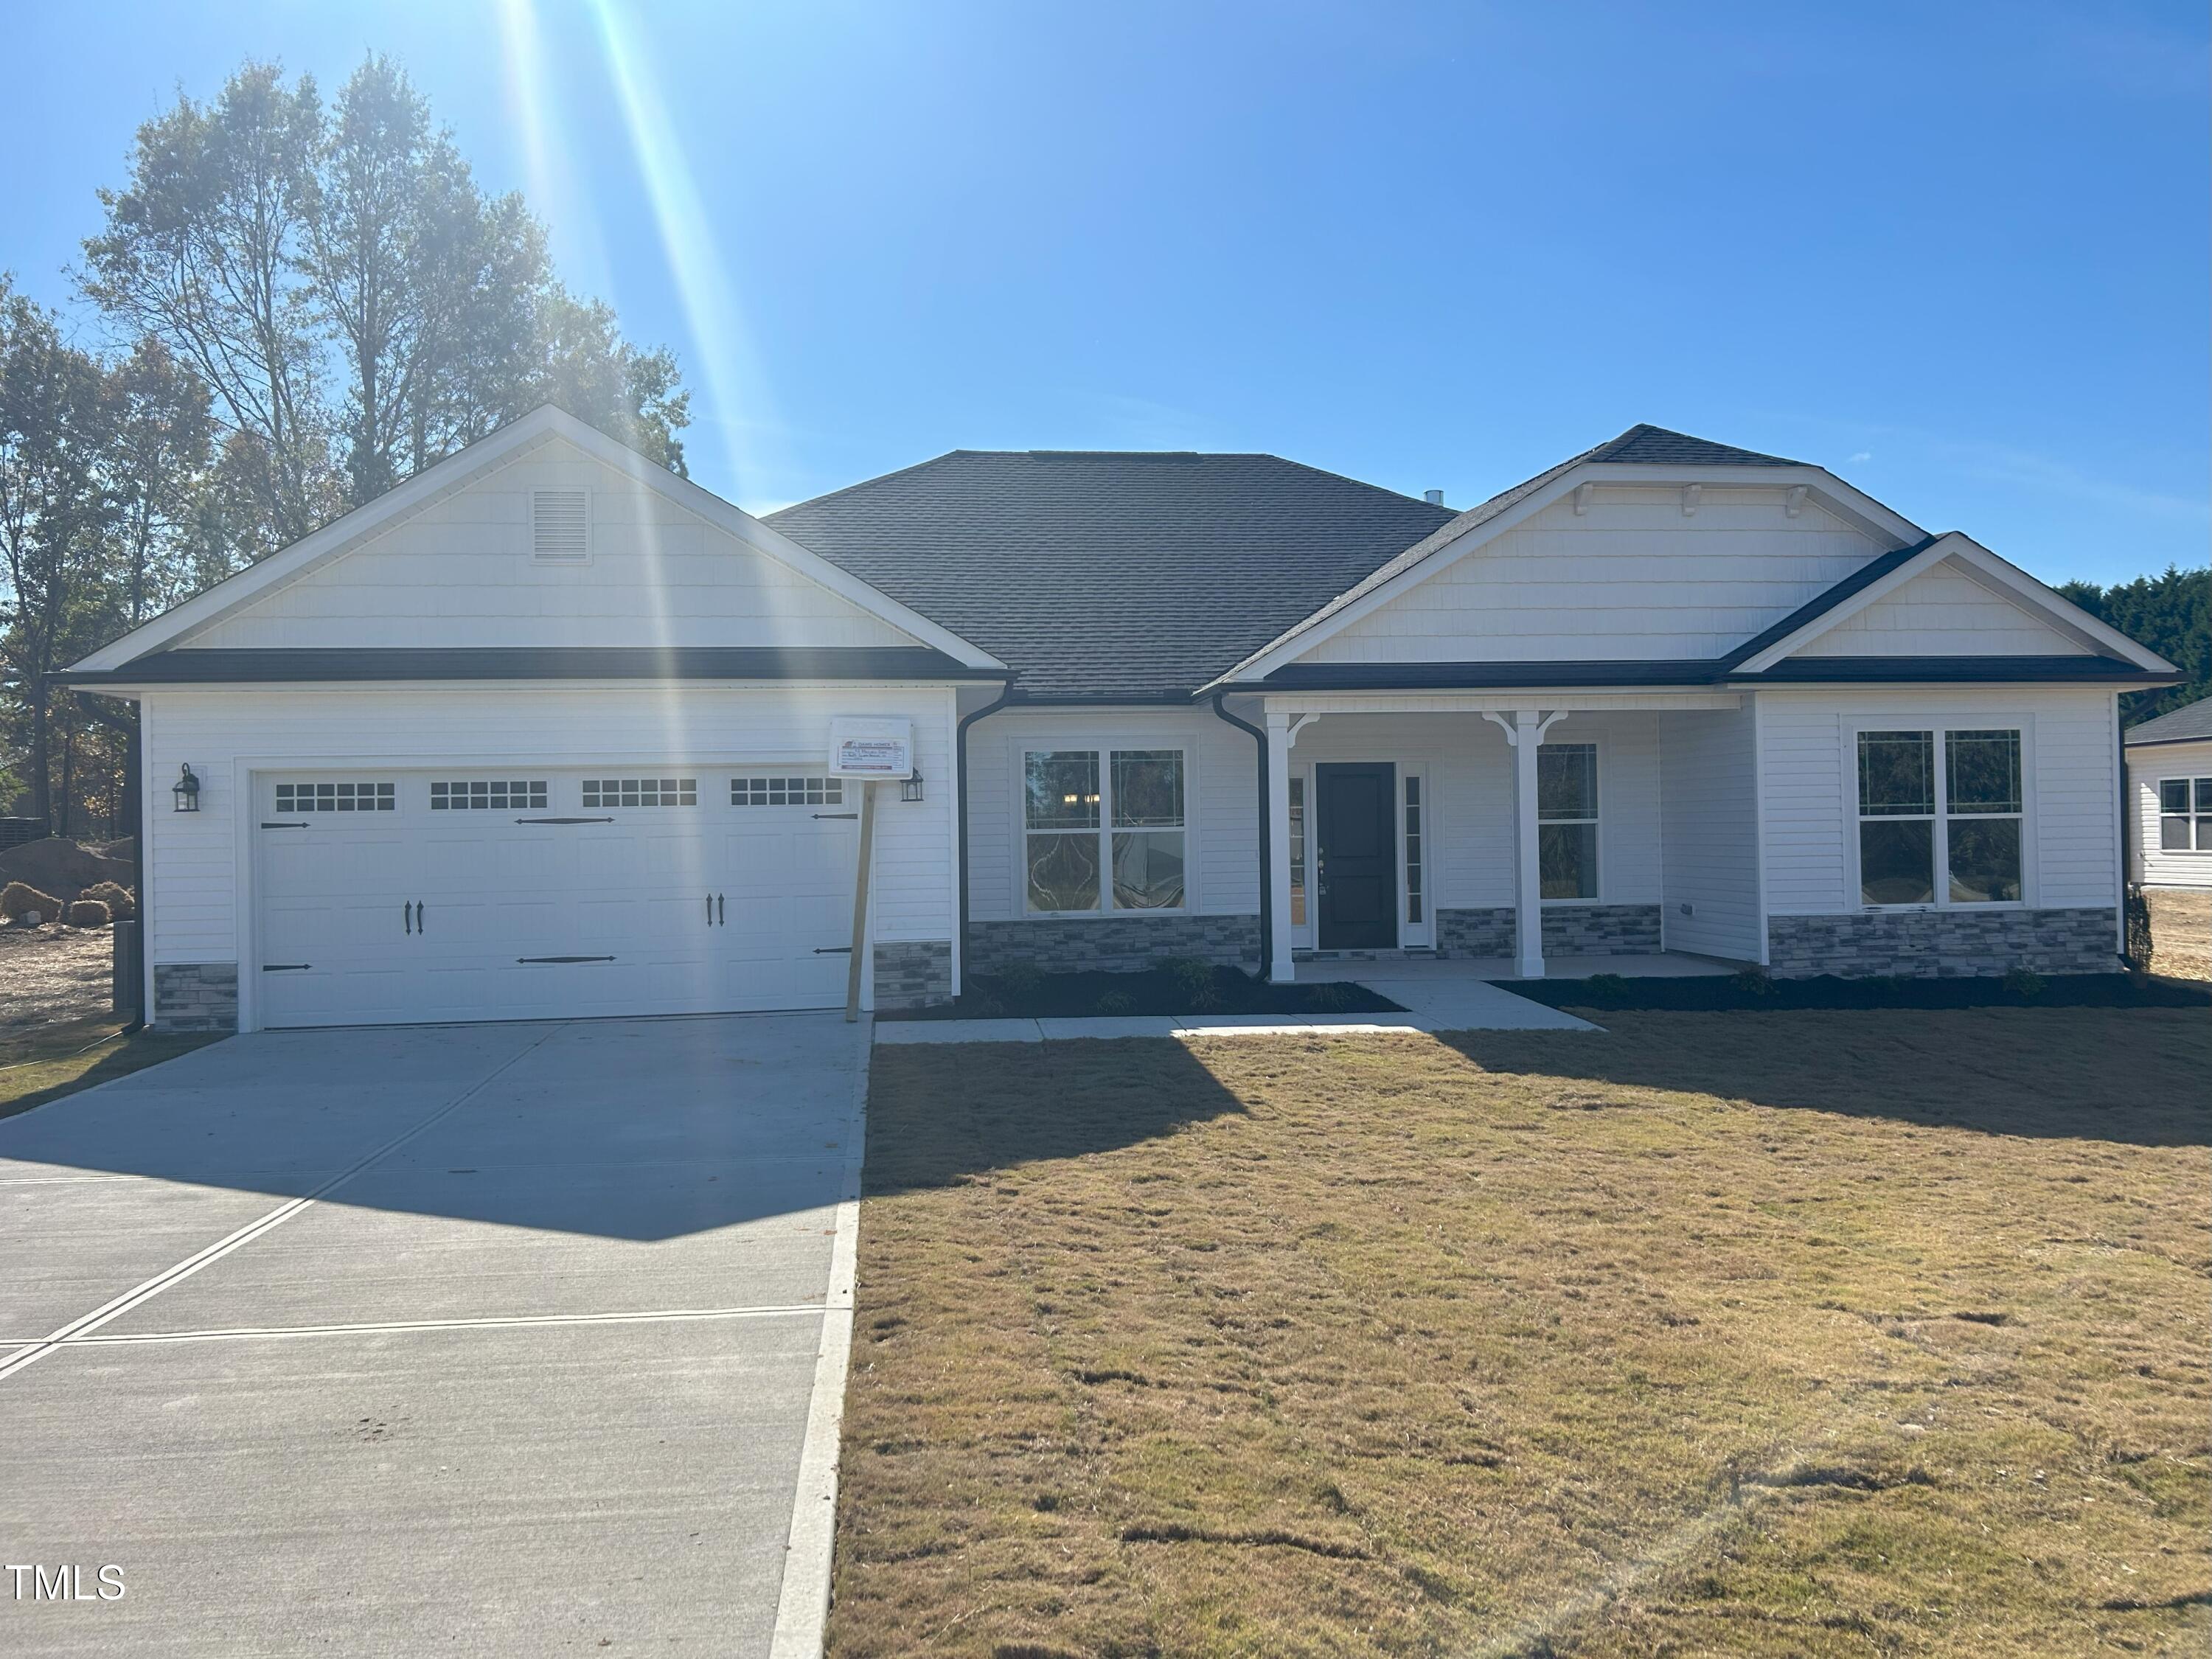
point(1942, 612)
point(460, 574)
point(1631, 577)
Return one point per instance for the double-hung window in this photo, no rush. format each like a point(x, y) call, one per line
point(1102, 830)
point(2185, 815)
point(1958, 816)
point(1566, 820)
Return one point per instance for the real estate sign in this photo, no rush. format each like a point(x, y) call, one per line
point(863, 747)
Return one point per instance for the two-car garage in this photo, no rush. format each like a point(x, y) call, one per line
point(521, 892)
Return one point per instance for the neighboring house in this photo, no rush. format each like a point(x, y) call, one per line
point(543, 733)
point(2170, 799)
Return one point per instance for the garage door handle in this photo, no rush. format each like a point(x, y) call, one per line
point(564, 820)
point(564, 958)
point(418, 918)
point(407, 918)
point(819, 815)
point(721, 914)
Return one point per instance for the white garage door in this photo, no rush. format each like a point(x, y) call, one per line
point(394, 897)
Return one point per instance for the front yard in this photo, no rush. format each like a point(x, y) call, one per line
point(1807, 1332)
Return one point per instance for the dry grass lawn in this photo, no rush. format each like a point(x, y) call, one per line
point(48, 1061)
point(1741, 1334)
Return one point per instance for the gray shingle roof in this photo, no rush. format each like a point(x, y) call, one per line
point(1104, 575)
point(2190, 720)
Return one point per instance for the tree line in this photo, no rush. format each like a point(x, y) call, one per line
point(2172, 615)
point(293, 305)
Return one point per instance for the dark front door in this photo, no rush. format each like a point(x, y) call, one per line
point(1359, 857)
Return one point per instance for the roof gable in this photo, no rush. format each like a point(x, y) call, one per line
point(446, 561)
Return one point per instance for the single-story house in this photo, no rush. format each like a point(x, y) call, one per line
point(543, 733)
point(2170, 799)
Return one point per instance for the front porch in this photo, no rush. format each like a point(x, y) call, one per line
point(1470, 835)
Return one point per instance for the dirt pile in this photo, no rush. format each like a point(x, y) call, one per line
point(61, 867)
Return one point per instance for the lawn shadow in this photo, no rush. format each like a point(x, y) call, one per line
point(933, 1122)
point(2133, 1077)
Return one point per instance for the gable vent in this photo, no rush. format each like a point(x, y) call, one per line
point(560, 526)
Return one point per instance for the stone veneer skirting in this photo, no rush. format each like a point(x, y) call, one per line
point(1114, 944)
point(196, 996)
point(1944, 944)
point(913, 973)
point(1570, 930)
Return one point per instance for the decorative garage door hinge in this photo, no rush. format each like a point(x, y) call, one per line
point(564, 958)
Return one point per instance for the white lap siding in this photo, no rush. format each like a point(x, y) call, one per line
point(2149, 764)
point(199, 865)
point(1709, 834)
point(1809, 764)
point(1221, 796)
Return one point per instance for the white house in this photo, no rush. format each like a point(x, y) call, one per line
point(543, 732)
point(2170, 799)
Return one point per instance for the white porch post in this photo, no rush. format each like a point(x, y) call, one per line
point(1280, 970)
point(1527, 733)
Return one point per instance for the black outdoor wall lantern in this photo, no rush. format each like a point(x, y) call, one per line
point(910, 787)
point(186, 790)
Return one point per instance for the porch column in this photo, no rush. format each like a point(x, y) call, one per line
point(1277, 947)
point(1527, 733)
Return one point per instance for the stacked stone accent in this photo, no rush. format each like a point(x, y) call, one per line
point(913, 973)
point(1601, 930)
point(1944, 944)
point(1113, 945)
point(196, 996)
point(1475, 933)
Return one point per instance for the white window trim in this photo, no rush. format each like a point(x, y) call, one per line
point(1595, 740)
point(1017, 790)
point(2155, 842)
point(1942, 725)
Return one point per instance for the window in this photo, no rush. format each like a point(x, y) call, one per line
point(481, 796)
point(336, 798)
point(1964, 819)
point(2177, 812)
point(1297, 852)
point(1413, 850)
point(787, 792)
point(560, 526)
point(1118, 846)
point(641, 792)
point(1981, 821)
point(1566, 820)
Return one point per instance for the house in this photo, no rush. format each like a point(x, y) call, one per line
point(2169, 818)
point(543, 733)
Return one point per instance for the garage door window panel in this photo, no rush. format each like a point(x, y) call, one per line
point(641, 792)
point(483, 795)
point(337, 797)
point(807, 791)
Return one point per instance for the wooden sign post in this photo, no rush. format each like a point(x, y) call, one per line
point(865, 750)
point(861, 900)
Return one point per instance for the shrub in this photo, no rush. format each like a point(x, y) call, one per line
point(86, 913)
point(2023, 983)
point(1116, 1002)
point(121, 904)
point(1020, 979)
point(20, 902)
point(1192, 975)
point(1605, 986)
point(1754, 982)
point(1328, 996)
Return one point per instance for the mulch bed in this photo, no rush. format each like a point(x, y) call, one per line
point(1753, 993)
point(1157, 991)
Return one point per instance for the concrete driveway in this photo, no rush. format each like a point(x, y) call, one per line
point(490, 1340)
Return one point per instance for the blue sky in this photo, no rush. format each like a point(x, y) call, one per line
point(1957, 253)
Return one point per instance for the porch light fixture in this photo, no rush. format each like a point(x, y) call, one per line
point(910, 787)
point(186, 790)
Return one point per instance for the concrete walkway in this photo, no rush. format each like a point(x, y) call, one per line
point(1433, 1002)
point(501, 1339)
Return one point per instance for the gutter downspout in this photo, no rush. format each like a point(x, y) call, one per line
point(133, 791)
point(960, 789)
point(1266, 837)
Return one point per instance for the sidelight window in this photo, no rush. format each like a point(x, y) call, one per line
point(1103, 828)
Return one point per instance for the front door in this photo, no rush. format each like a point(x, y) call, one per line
point(1357, 855)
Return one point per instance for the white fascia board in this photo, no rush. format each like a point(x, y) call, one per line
point(463, 467)
point(1447, 543)
point(2000, 576)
